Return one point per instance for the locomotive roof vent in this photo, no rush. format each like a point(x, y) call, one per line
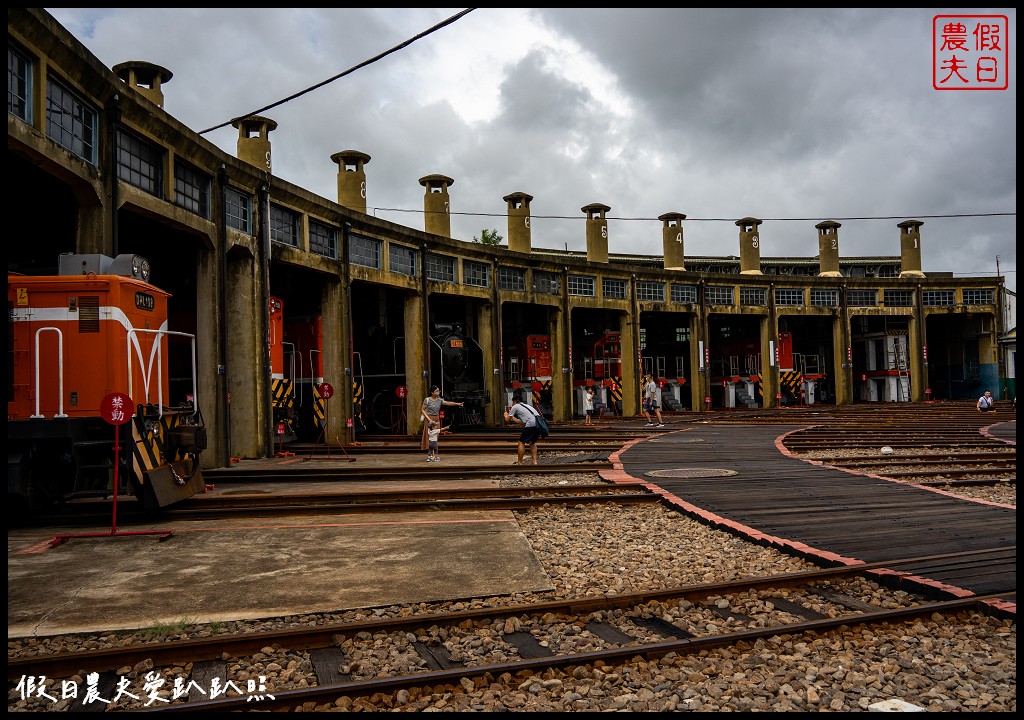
point(126, 264)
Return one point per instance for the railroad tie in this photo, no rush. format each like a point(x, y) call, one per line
point(796, 609)
point(327, 663)
point(437, 657)
point(106, 686)
point(845, 600)
point(609, 633)
point(203, 673)
point(661, 627)
point(727, 614)
point(528, 645)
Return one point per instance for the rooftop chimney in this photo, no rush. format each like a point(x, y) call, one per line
point(672, 240)
point(519, 221)
point(910, 248)
point(750, 246)
point(254, 140)
point(351, 179)
point(828, 248)
point(145, 78)
point(437, 219)
point(597, 232)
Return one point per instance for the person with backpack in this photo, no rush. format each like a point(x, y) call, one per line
point(535, 428)
point(986, 402)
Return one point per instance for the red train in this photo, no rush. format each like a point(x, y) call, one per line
point(528, 370)
point(97, 328)
point(738, 362)
point(599, 363)
point(296, 367)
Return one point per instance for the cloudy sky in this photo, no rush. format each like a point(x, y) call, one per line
point(791, 116)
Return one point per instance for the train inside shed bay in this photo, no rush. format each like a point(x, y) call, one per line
point(98, 332)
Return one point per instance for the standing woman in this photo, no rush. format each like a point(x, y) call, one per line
point(431, 411)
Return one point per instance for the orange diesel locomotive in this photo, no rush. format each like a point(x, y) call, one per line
point(96, 328)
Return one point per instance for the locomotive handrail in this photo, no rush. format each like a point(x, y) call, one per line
point(357, 366)
point(291, 365)
point(441, 356)
point(156, 353)
point(60, 372)
point(394, 352)
point(312, 366)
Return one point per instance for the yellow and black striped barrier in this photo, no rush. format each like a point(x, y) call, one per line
point(616, 391)
point(538, 394)
point(282, 394)
point(357, 401)
point(790, 380)
point(318, 407)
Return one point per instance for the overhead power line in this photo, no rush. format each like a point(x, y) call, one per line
point(729, 219)
point(352, 69)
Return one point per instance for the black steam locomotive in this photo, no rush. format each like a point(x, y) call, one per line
point(457, 367)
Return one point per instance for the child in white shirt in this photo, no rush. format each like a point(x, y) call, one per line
point(433, 431)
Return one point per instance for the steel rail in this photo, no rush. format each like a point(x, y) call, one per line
point(275, 473)
point(177, 652)
point(360, 688)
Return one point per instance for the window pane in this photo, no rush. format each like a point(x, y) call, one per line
point(440, 268)
point(191, 189)
point(284, 226)
point(511, 278)
point(70, 121)
point(402, 259)
point(476, 274)
point(139, 163)
point(238, 210)
point(323, 239)
point(581, 285)
point(19, 84)
point(364, 251)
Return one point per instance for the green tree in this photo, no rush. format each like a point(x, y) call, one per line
point(489, 237)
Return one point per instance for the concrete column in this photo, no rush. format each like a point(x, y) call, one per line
point(597, 233)
point(336, 356)
point(436, 206)
point(840, 367)
point(254, 140)
point(750, 246)
point(519, 221)
point(769, 332)
point(915, 360)
point(351, 179)
point(672, 240)
point(246, 388)
point(695, 379)
point(208, 346)
point(415, 363)
point(485, 327)
point(628, 334)
point(92, 231)
point(561, 383)
point(828, 248)
point(910, 248)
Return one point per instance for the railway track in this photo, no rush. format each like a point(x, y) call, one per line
point(276, 473)
point(512, 644)
point(946, 451)
point(340, 501)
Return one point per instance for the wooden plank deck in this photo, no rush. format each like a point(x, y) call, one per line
point(736, 477)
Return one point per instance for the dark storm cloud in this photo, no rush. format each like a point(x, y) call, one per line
point(717, 113)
